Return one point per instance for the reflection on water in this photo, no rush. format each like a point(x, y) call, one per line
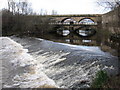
point(80, 31)
point(86, 40)
point(63, 32)
point(100, 39)
point(85, 33)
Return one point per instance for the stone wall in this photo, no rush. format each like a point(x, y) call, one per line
point(111, 21)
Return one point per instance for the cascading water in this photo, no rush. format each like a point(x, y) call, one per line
point(69, 65)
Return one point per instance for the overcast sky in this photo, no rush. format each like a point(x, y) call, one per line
point(63, 6)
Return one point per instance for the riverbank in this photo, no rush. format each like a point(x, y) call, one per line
point(19, 69)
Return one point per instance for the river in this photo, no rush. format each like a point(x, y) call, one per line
point(72, 61)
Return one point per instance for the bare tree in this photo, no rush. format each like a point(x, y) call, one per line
point(54, 12)
point(24, 7)
point(109, 4)
point(45, 12)
point(11, 5)
point(41, 12)
point(19, 7)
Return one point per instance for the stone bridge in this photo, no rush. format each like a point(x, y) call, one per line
point(76, 18)
point(61, 20)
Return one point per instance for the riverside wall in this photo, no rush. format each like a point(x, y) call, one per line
point(111, 21)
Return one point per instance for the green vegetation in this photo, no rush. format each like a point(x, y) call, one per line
point(103, 81)
point(100, 79)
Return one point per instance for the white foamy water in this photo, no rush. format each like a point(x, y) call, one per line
point(20, 69)
point(68, 65)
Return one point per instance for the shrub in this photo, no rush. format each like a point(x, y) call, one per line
point(100, 79)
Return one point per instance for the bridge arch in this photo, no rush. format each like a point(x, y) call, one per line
point(67, 20)
point(86, 20)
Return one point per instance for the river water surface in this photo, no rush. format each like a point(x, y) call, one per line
point(72, 61)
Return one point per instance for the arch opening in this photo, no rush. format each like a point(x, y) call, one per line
point(67, 20)
point(86, 21)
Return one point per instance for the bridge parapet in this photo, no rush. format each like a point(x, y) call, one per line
point(74, 24)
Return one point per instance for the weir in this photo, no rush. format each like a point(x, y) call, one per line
point(69, 65)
